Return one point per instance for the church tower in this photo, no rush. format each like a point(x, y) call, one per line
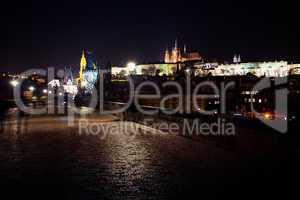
point(235, 59)
point(174, 56)
point(167, 56)
point(184, 49)
point(239, 59)
point(82, 65)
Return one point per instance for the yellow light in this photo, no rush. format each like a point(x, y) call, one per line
point(82, 66)
point(267, 115)
point(83, 84)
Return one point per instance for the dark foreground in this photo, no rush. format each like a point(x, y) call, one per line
point(42, 158)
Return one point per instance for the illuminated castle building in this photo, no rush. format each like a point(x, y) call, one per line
point(175, 55)
point(237, 59)
point(259, 69)
point(68, 83)
point(176, 59)
point(88, 71)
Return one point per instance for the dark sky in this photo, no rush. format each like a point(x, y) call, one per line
point(53, 33)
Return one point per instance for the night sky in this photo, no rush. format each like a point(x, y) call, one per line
point(53, 33)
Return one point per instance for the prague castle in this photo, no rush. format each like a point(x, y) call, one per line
point(176, 59)
point(175, 55)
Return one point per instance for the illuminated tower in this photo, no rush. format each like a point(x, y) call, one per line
point(235, 59)
point(176, 54)
point(167, 56)
point(82, 66)
point(239, 59)
point(90, 72)
point(90, 65)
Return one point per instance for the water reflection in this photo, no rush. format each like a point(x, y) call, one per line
point(14, 122)
point(130, 160)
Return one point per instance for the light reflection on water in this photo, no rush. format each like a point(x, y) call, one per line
point(45, 150)
point(130, 157)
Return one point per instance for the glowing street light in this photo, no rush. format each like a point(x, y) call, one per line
point(45, 91)
point(267, 115)
point(14, 83)
point(31, 88)
point(131, 66)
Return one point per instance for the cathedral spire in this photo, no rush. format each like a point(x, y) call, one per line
point(167, 56)
point(82, 65)
point(235, 59)
point(239, 59)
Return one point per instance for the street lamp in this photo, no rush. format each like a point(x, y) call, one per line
point(14, 83)
point(31, 88)
point(45, 91)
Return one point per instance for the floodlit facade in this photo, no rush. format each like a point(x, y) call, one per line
point(54, 83)
point(156, 69)
point(176, 55)
point(268, 69)
point(294, 69)
point(119, 70)
point(70, 88)
point(88, 71)
point(147, 69)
